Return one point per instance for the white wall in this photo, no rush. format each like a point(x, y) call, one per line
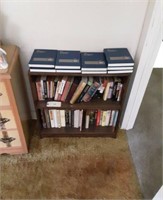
point(159, 60)
point(83, 25)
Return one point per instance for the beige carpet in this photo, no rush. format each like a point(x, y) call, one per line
point(71, 168)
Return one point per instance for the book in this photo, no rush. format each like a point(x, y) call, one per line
point(61, 87)
point(68, 70)
point(76, 118)
point(120, 68)
point(115, 118)
point(81, 120)
point(41, 70)
point(47, 118)
point(93, 61)
point(94, 72)
point(51, 118)
point(68, 60)
point(89, 83)
point(67, 88)
point(43, 58)
point(79, 89)
point(120, 71)
point(62, 115)
point(106, 91)
point(74, 85)
point(87, 118)
point(118, 57)
point(57, 88)
point(39, 89)
point(91, 91)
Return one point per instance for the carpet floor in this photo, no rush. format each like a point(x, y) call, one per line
point(71, 168)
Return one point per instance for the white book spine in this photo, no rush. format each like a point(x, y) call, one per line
point(87, 121)
point(112, 117)
point(108, 117)
point(61, 87)
point(51, 118)
point(55, 118)
point(76, 118)
point(62, 114)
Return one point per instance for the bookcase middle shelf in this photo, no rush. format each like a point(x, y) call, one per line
point(94, 104)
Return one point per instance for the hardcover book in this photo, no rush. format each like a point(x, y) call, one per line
point(120, 71)
point(74, 86)
point(68, 60)
point(93, 61)
point(79, 89)
point(68, 70)
point(43, 58)
point(42, 70)
point(117, 57)
point(91, 91)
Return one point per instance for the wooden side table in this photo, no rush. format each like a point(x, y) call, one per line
point(13, 106)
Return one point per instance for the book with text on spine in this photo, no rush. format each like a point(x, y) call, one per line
point(68, 60)
point(91, 91)
point(79, 89)
point(117, 57)
point(43, 58)
point(93, 61)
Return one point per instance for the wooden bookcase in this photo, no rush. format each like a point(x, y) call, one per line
point(94, 104)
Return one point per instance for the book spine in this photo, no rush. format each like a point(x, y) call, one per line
point(65, 91)
point(62, 115)
point(71, 92)
point(91, 91)
point(83, 93)
point(47, 118)
point(77, 92)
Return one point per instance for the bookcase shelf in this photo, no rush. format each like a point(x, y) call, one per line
point(75, 132)
point(94, 104)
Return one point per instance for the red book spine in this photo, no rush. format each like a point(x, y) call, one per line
point(71, 92)
point(98, 118)
point(65, 91)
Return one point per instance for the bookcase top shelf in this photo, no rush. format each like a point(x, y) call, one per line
point(94, 104)
point(75, 74)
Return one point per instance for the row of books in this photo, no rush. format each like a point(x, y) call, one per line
point(54, 118)
point(111, 60)
point(78, 89)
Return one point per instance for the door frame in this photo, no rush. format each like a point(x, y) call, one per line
point(148, 47)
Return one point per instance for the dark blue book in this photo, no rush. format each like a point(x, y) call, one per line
point(68, 60)
point(93, 61)
point(117, 57)
point(43, 58)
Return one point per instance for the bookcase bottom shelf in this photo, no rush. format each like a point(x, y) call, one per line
point(75, 132)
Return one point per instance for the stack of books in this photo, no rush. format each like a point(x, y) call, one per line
point(93, 63)
point(119, 60)
point(68, 62)
point(43, 60)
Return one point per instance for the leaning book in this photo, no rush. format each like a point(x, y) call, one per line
point(43, 58)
